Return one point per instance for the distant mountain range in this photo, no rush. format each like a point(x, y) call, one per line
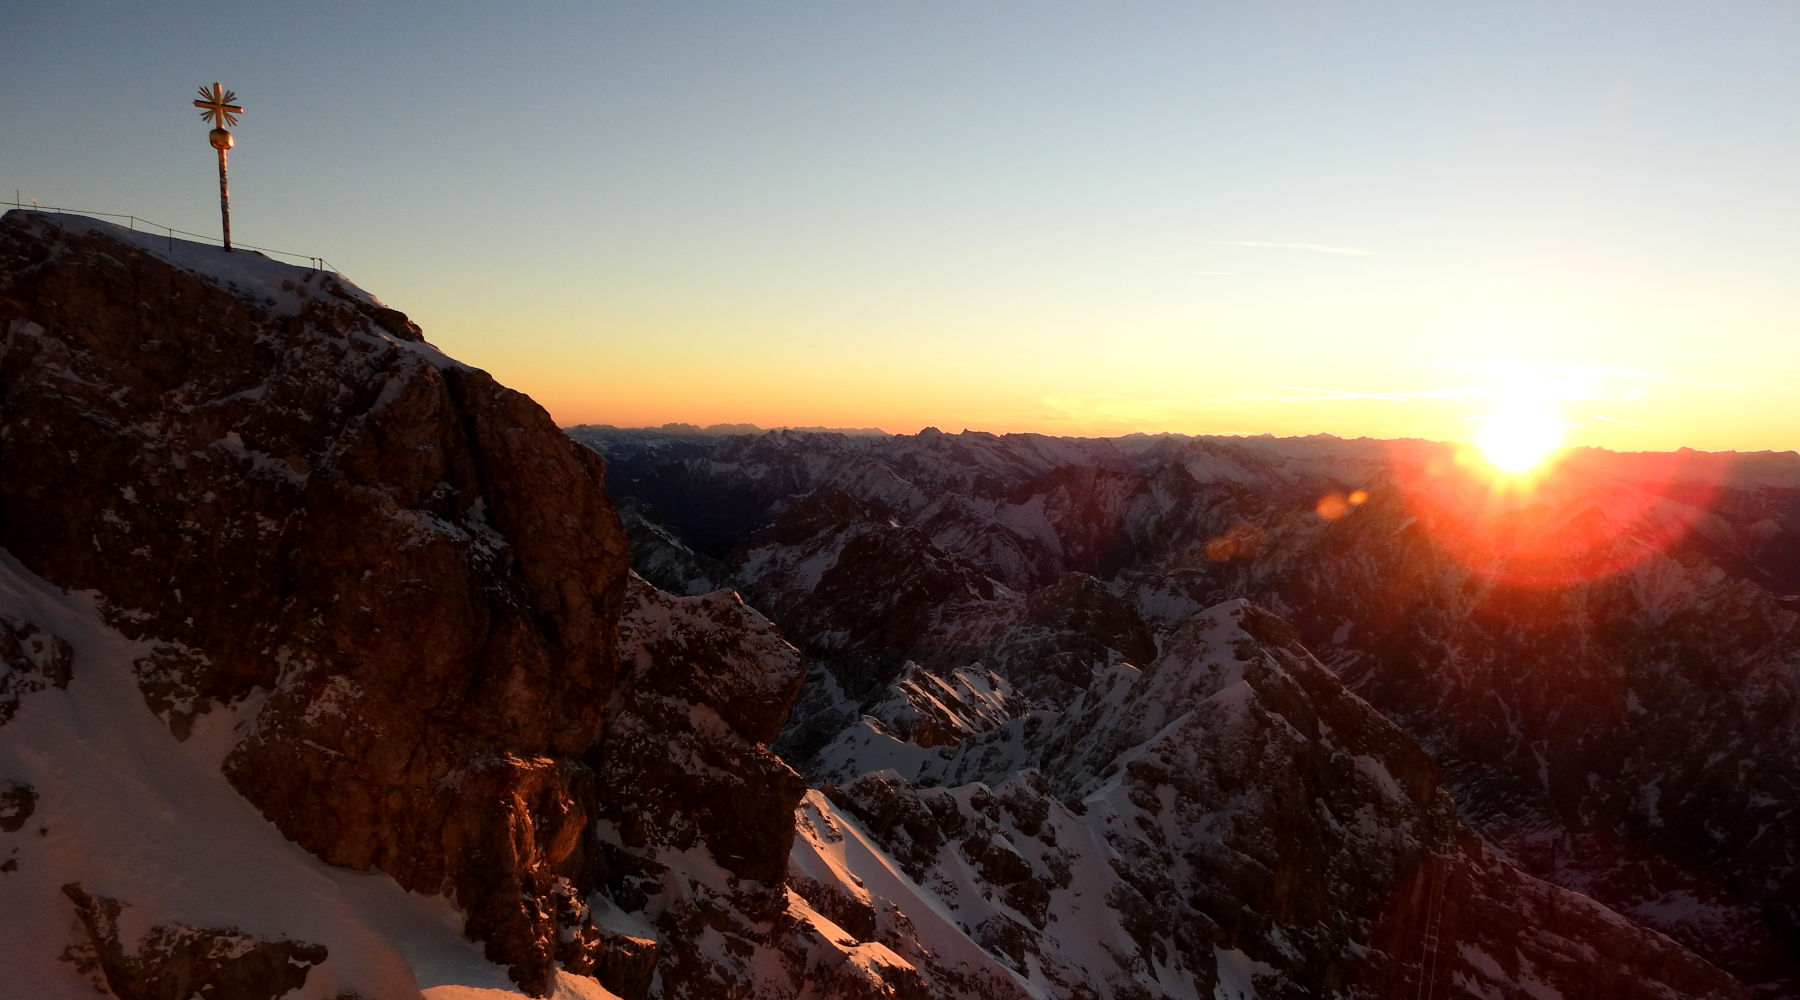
point(1604, 670)
point(723, 430)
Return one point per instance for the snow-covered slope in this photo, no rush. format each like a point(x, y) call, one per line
point(113, 805)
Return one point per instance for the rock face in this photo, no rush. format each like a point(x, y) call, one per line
point(30, 661)
point(273, 477)
point(17, 803)
point(1230, 818)
point(699, 837)
point(707, 682)
point(1603, 670)
point(177, 962)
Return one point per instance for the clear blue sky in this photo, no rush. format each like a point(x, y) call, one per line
point(1364, 219)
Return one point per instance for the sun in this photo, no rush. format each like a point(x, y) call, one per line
point(1520, 434)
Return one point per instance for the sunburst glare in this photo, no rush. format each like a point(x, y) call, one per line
point(1520, 434)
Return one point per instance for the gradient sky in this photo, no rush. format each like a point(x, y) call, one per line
point(1361, 219)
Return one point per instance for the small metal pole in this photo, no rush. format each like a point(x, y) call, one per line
point(224, 201)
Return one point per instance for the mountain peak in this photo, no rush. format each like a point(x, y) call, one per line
point(297, 504)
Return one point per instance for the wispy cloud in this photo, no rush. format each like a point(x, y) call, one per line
point(1305, 247)
point(1616, 420)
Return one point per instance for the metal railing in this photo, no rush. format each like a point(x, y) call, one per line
point(132, 222)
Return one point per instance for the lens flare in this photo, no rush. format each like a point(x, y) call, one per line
point(1586, 516)
point(1336, 506)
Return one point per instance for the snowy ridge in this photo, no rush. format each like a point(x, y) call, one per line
point(245, 271)
point(279, 288)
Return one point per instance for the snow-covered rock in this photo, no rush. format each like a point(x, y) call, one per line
point(299, 503)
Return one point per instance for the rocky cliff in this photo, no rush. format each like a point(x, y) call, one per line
point(377, 592)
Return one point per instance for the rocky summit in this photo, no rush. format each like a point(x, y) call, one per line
point(325, 673)
point(364, 590)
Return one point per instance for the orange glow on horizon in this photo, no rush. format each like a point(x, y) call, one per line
point(900, 395)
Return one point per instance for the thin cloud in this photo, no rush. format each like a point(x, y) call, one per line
point(1305, 247)
point(1616, 420)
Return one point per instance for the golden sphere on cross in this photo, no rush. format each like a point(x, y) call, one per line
point(221, 139)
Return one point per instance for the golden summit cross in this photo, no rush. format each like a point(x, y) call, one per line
point(218, 106)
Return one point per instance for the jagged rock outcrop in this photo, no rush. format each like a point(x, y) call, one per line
point(697, 813)
point(932, 710)
point(30, 661)
point(275, 478)
point(661, 557)
point(17, 802)
point(171, 961)
point(707, 682)
point(704, 880)
point(1229, 818)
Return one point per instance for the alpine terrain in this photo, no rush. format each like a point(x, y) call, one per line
point(329, 669)
point(1594, 683)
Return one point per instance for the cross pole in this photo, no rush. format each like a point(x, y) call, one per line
point(218, 106)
